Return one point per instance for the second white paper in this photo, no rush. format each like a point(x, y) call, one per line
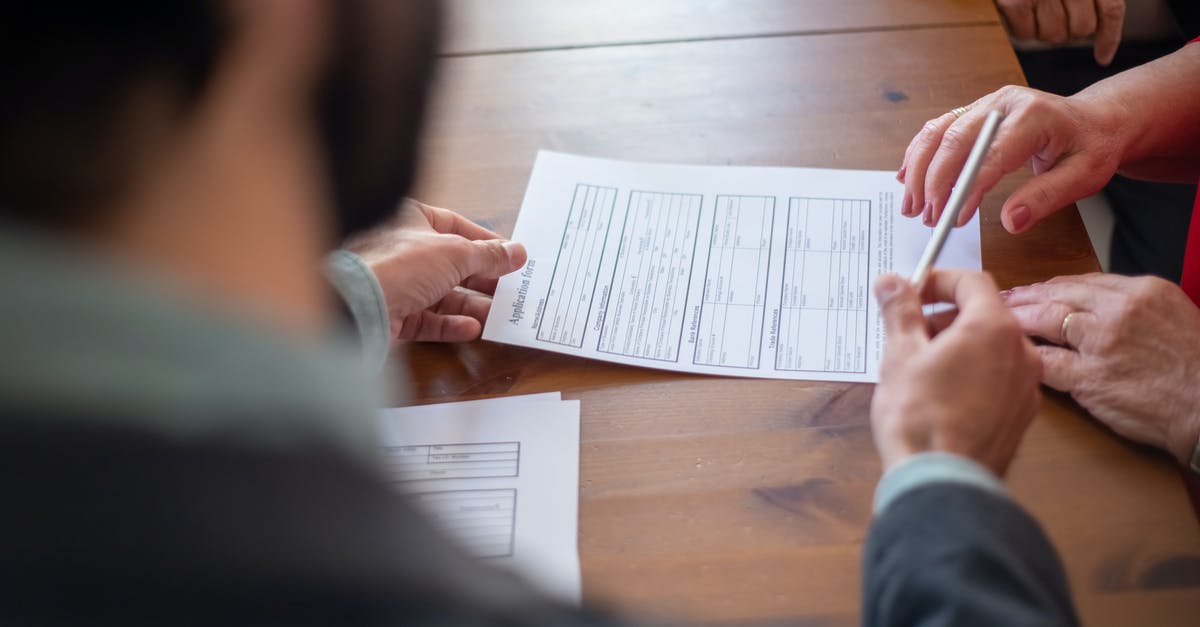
point(737, 271)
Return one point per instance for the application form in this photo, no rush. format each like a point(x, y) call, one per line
point(739, 271)
point(499, 476)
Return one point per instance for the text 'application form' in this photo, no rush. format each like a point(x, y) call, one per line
point(742, 271)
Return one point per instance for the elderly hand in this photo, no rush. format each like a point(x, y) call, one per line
point(438, 271)
point(1129, 352)
point(1075, 145)
point(971, 388)
point(1060, 21)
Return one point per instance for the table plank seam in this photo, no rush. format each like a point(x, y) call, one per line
point(683, 40)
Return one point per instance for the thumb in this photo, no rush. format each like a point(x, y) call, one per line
point(491, 257)
point(1065, 183)
point(900, 307)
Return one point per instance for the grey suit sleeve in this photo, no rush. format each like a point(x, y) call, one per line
point(952, 553)
point(364, 302)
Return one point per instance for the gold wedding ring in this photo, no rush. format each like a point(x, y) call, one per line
point(959, 111)
point(1062, 331)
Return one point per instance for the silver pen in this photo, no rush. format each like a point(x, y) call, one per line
point(954, 206)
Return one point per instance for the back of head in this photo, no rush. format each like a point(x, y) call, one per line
point(72, 73)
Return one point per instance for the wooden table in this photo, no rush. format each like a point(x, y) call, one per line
point(731, 500)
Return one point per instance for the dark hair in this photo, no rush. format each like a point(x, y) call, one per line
point(67, 70)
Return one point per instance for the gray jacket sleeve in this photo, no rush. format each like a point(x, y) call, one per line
point(364, 303)
point(951, 553)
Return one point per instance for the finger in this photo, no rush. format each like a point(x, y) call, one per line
point(918, 156)
point(1010, 438)
point(1020, 20)
point(488, 258)
point(1070, 291)
point(446, 221)
point(1068, 181)
point(1061, 367)
point(464, 303)
point(483, 285)
point(1110, 20)
point(1081, 18)
point(1051, 21)
point(900, 308)
point(938, 321)
point(1034, 359)
point(429, 326)
point(1019, 138)
point(969, 291)
point(970, 207)
point(1105, 281)
point(1015, 143)
point(951, 155)
point(1046, 321)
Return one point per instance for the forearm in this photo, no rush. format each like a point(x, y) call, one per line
point(1159, 109)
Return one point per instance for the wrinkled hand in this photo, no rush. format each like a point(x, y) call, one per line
point(438, 271)
point(1075, 145)
point(1132, 355)
point(1061, 21)
point(971, 388)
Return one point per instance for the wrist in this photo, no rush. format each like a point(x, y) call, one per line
point(922, 469)
point(1111, 115)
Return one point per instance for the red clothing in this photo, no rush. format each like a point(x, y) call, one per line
point(1190, 282)
point(1191, 257)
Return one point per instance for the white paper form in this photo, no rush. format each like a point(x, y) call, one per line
point(739, 271)
point(501, 476)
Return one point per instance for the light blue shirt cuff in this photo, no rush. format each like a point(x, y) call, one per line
point(935, 467)
point(363, 295)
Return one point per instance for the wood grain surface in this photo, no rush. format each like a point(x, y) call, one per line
point(489, 26)
point(708, 499)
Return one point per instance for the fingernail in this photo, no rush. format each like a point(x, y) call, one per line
point(906, 206)
point(927, 213)
point(1004, 294)
point(510, 249)
point(1018, 219)
point(900, 174)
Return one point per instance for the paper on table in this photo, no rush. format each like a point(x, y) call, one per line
point(742, 271)
point(499, 475)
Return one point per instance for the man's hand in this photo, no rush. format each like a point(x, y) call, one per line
point(438, 271)
point(1061, 21)
point(1131, 355)
point(1075, 145)
point(970, 389)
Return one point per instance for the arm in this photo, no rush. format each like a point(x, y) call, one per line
point(1145, 121)
point(1162, 101)
point(948, 546)
point(980, 561)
